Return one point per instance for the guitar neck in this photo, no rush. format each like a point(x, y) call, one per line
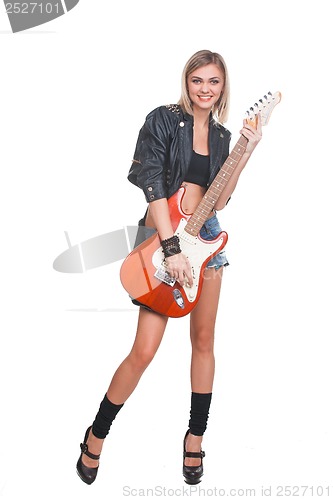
point(205, 207)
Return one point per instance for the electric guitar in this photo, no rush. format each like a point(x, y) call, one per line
point(144, 274)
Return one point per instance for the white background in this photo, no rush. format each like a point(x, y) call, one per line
point(75, 92)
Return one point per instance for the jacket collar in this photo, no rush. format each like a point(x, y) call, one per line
point(188, 117)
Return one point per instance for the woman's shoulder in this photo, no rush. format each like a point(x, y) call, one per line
point(164, 119)
point(171, 112)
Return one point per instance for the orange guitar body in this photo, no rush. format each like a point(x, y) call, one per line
point(139, 269)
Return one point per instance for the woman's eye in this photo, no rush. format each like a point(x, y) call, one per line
point(214, 82)
point(196, 80)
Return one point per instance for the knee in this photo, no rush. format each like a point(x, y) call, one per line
point(203, 340)
point(141, 358)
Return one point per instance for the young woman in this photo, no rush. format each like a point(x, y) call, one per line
point(184, 143)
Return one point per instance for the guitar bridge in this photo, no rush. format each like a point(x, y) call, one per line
point(163, 275)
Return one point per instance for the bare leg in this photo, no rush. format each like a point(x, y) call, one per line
point(150, 330)
point(203, 319)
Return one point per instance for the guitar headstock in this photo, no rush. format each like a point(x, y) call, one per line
point(264, 107)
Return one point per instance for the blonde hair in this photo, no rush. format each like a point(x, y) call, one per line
point(203, 58)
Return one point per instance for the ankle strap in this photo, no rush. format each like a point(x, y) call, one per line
point(84, 449)
point(194, 454)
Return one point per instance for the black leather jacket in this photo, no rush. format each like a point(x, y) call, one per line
point(164, 149)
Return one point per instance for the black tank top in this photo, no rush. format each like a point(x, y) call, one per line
point(198, 171)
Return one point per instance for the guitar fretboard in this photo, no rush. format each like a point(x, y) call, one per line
point(212, 194)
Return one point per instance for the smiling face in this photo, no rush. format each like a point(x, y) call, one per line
point(205, 86)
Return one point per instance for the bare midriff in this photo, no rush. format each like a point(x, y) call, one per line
point(192, 197)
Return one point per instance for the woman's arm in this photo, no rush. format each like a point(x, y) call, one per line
point(178, 265)
point(159, 212)
point(253, 135)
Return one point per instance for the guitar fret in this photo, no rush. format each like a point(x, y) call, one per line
point(236, 153)
point(225, 173)
point(200, 217)
point(216, 188)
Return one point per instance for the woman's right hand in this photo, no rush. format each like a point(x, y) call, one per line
point(179, 267)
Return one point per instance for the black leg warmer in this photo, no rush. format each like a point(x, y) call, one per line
point(200, 404)
point(106, 414)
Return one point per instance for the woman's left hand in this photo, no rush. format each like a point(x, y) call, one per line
point(253, 135)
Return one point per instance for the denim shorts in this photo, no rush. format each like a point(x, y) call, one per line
point(209, 231)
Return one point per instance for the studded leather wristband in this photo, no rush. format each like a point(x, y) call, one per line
point(171, 246)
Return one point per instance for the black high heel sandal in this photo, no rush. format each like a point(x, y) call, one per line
point(192, 474)
point(87, 474)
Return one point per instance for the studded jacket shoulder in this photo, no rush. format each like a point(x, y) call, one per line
point(164, 148)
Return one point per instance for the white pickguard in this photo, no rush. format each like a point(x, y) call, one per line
point(197, 252)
